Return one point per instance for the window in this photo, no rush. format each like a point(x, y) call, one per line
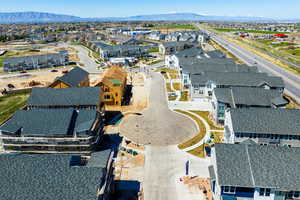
point(296, 194)
point(106, 96)
point(264, 192)
point(106, 90)
point(221, 115)
point(229, 189)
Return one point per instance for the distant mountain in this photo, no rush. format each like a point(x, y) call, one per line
point(39, 17)
point(33, 17)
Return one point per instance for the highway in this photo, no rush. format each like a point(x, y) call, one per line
point(291, 80)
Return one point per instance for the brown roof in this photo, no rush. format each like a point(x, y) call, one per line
point(113, 73)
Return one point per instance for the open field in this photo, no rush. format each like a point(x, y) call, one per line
point(198, 137)
point(176, 26)
point(10, 103)
point(248, 31)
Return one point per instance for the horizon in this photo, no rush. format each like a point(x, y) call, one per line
point(101, 9)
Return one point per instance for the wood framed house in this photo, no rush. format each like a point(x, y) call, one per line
point(113, 84)
point(77, 77)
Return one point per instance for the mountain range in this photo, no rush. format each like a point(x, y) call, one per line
point(41, 17)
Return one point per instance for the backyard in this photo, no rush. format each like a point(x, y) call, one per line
point(10, 103)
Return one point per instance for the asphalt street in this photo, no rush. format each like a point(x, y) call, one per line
point(292, 81)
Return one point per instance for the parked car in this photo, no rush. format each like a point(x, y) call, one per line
point(65, 72)
point(54, 70)
point(163, 72)
point(23, 72)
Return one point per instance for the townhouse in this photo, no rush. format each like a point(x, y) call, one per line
point(49, 176)
point(77, 77)
point(202, 85)
point(265, 126)
point(107, 51)
point(244, 171)
point(244, 97)
point(113, 84)
point(60, 98)
point(168, 48)
point(52, 131)
point(35, 62)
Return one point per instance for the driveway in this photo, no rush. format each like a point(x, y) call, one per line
point(158, 125)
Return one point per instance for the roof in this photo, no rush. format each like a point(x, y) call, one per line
point(207, 66)
point(266, 121)
point(50, 122)
point(249, 96)
point(114, 75)
point(242, 79)
point(48, 177)
point(97, 160)
point(74, 77)
point(64, 96)
point(175, 44)
point(258, 166)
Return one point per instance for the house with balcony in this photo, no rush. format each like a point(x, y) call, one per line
point(49, 176)
point(52, 131)
point(254, 172)
point(203, 84)
point(36, 62)
point(244, 97)
point(76, 77)
point(265, 126)
point(60, 98)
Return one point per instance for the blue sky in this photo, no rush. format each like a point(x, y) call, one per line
point(105, 8)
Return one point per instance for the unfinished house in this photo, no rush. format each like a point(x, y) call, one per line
point(77, 77)
point(113, 84)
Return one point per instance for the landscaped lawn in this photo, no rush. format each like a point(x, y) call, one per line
point(177, 86)
point(168, 86)
point(173, 75)
point(10, 103)
point(198, 137)
point(217, 137)
point(184, 96)
point(171, 98)
point(199, 151)
point(204, 115)
point(166, 70)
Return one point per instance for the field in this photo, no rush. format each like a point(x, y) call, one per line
point(176, 26)
point(245, 30)
point(10, 103)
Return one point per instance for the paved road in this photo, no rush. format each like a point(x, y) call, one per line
point(291, 80)
point(157, 124)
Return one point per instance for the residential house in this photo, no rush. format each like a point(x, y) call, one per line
point(254, 172)
point(49, 177)
point(77, 77)
point(244, 97)
point(156, 35)
point(52, 131)
point(263, 126)
point(168, 48)
point(108, 51)
point(36, 62)
point(58, 98)
point(202, 85)
point(113, 84)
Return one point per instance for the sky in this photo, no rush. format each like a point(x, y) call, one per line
point(124, 8)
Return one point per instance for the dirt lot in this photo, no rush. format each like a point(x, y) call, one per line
point(23, 80)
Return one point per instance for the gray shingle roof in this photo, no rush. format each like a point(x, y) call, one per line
point(249, 96)
point(74, 77)
point(258, 166)
point(198, 68)
point(266, 121)
point(47, 177)
point(237, 79)
point(64, 96)
point(50, 122)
